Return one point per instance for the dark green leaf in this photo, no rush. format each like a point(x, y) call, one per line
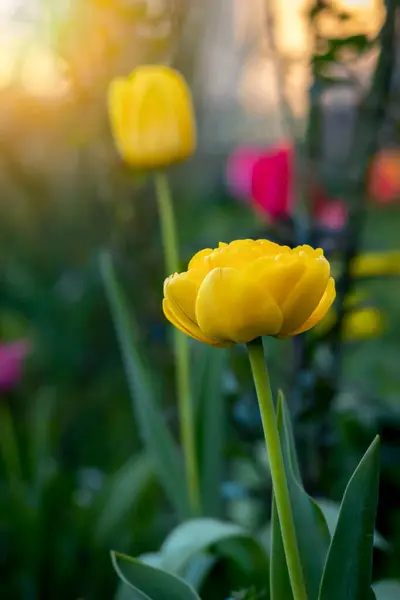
point(347, 573)
point(198, 569)
point(125, 592)
point(212, 420)
point(331, 512)
point(149, 582)
point(311, 529)
point(247, 560)
point(40, 436)
point(123, 490)
point(161, 447)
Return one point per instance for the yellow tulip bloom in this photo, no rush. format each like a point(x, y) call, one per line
point(152, 118)
point(246, 289)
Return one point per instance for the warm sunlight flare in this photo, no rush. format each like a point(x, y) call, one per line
point(23, 59)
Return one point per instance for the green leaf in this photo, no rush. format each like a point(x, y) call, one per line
point(40, 431)
point(198, 569)
point(387, 590)
point(331, 512)
point(123, 490)
point(312, 532)
point(150, 583)
point(347, 573)
point(200, 535)
point(161, 446)
point(212, 420)
point(125, 592)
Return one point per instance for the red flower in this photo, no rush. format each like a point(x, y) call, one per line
point(272, 181)
point(265, 178)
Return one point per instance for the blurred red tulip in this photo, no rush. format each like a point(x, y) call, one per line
point(384, 179)
point(265, 178)
point(12, 356)
point(272, 181)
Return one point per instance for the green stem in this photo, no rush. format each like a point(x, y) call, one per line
point(9, 446)
point(281, 492)
point(181, 347)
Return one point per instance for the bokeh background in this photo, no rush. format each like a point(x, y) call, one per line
point(74, 480)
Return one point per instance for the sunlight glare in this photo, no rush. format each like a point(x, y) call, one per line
point(23, 59)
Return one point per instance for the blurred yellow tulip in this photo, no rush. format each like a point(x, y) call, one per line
point(152, 117)
point(358, 324)
point(375, 264)
point(362, 324)
point(246, 289)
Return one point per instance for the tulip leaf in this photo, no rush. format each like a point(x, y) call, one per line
point(198, 569)
point(159, 443)
point(212, 420)
point(122, 492)
point(348, 569)
point(125, 592)
point(331, 512)
point(387, 590)
point(197, 536)
point(312, 532)
point(151, 583)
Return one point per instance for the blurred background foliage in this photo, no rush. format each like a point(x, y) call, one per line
point(78, 482)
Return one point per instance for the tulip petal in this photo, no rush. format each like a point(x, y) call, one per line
point(278, 274)
point(162, 121)
point(177, 318)
point(305, 295)
point(182, 290)
point(232, 307)
point(321, 310)
point(151, 115)
point(198, 259)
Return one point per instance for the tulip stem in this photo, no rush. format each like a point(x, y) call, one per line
point(181, 347)
point(281, 492)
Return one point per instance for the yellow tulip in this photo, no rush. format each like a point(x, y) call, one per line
point(152, 117)
point(247, 289)
point(362, 324)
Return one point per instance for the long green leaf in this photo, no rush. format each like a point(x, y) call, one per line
point(348, 568)
point(311, 529)
point(212, 419)
point(200, 535)
point(40, 430)
point(123, 490)
point(125, 592)
point(331, 512)
point(149, 582)
point(158, 440)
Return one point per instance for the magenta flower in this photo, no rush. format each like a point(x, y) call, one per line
point(264, 178)
point(272, 181)
point(12, 356)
